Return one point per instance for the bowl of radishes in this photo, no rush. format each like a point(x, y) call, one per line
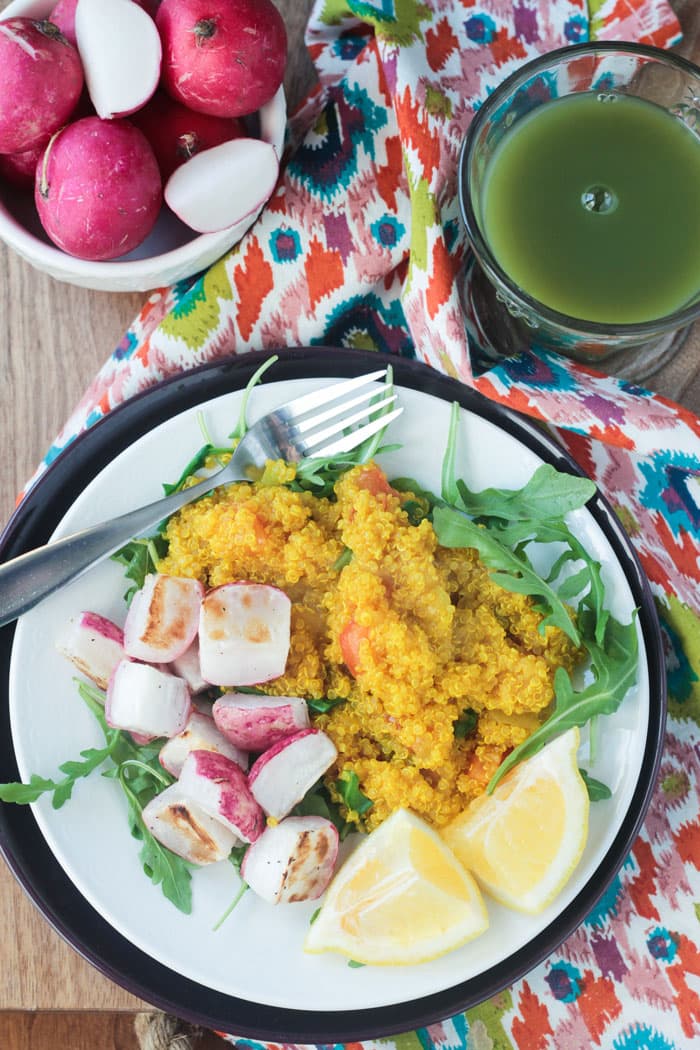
point(139, 139)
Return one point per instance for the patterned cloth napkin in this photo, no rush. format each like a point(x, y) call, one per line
point(360, 246)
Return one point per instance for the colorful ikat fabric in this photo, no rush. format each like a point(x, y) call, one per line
point(360, 246)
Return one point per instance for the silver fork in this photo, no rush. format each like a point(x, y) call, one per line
point(314, 425)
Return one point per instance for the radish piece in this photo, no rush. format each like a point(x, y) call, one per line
point(183, 827)
point(200, 734)
point(222, 57)
point(292, 860)
point(244, 633)
point(94, 644)
point(163, 618)
point(146, 701)
point(177, 133)
point(40, 83)
point(221, 186)
point(98, 191)
point(121, 53)
point(220, 787)
point(257, 722)
point(283, 774)
point(187, 666)
point(24, 9)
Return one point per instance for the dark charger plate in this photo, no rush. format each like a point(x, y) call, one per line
point(31, 860)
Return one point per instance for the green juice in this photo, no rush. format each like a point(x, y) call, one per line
point(593, 208)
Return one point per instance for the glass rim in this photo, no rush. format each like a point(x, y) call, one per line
point(679, 318)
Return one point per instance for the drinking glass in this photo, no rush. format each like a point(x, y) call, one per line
point(502, 317)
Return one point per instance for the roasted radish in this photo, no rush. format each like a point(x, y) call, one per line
point(283, 774)
point(147, 701)
point(187, 666)
point(292, 860)
point(183, 827)
point(255, 723)
point(244, 632)
point(220, 787)
point(200, 734)
point(94, 644)
point(163, 618)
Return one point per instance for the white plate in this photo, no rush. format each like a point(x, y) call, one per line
point(257, 955)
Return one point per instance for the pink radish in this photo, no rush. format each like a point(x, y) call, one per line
point(225, 57)
point(292, 860)
point(220, 186)
point(255, 723)
point(187, 666)
point(220, 787)
point(121, 53)
point(177, 133)
point(20, 168)
point(94, 644)
point(183, 827)
point(244, 633)
point(163, 618)
point(98, 189)
point(40, 83)
point(146, 701)
point(283, 774)
point(200, 734)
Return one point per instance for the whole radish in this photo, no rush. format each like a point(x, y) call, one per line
point(224, 57)
point(176, 132)
point(20, 168)
point(98, 190)
point(41, 78)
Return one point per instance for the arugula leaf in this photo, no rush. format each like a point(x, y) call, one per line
point(318, 803)
point(323, 705)
point(344, 559)
point(614, 671)
point(448, 486)
point(548, 494)
point(466, 723)
point(92, 757)
point(140, 557)
point(597, 790)
point(509, 569)
point(348, 787)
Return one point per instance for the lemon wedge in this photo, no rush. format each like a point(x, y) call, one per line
point(524, 841)
point(402, 897)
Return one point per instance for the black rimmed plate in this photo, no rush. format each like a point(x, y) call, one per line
point(79, 863)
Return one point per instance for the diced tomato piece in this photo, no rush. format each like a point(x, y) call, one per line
point(349, 640)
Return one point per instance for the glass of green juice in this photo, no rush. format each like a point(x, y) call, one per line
point(579, 184)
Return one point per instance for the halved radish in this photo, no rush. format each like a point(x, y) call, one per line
point(221, 186)
point(283, 774)
point(257, 722)
point(183, 827)
point(200, 734)
point(147, 701)
point(163, 618)
point(220, 787)
point(244, 633)
point(94, 644)
point(121, 53)
point(187, 666)
point(292, 860)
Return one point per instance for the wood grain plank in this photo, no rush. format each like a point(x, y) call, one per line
point(84, 1030)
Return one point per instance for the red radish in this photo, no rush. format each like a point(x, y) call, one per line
point(225, 57)
point(98, 189)
point(292, 860)
point(200, 734)
point(20, 168)
point(177, 133)
point(94, 644)
point(40, 83)
point(187, 666)
point(163, 618)
point(220, 787)
point(220, 186)
point(121, 53)
point(255, 723)
point(183, 827)
point(146, 701)
point(244, 633)
point(283, 774)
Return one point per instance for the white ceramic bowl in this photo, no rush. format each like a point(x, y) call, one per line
point(171, 252)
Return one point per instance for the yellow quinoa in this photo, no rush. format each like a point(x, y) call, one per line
point(408, 634)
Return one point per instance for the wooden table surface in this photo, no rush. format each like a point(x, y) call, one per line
point(53, 338)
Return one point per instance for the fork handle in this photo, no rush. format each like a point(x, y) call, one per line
point(28, 579)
